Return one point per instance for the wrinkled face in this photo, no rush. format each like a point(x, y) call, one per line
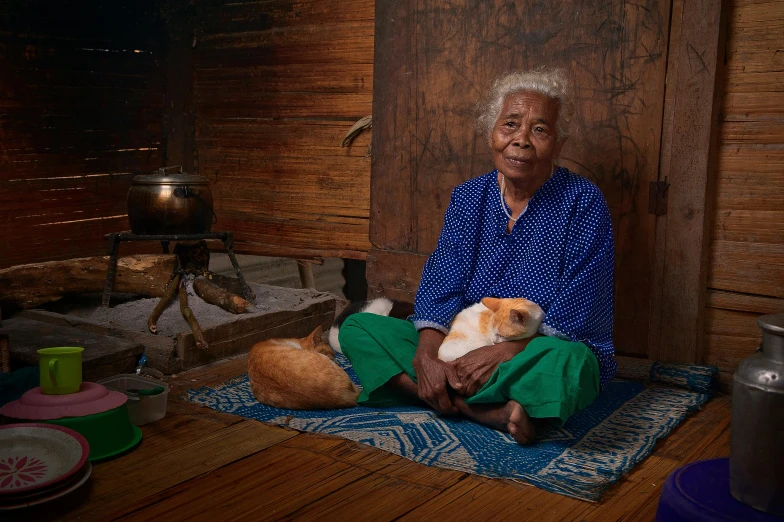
point(524, 140)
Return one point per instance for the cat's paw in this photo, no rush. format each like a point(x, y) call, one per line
point(448, 354)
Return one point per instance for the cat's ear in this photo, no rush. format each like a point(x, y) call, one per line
point(518, 317)
point(315, 336)
point(492, 303)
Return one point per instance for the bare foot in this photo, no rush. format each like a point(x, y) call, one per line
point(510, 418)
point(520, 426)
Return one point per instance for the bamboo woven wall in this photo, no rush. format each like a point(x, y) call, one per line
point(81, 110)
point(746, 260)
point(278, 83)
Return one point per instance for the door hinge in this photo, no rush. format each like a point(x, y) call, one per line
point(657, 197)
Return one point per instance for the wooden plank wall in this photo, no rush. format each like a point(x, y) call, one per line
point(81, 110)
point(434, 60)
point(746, 260)
point(278, 83)
point(688, 158)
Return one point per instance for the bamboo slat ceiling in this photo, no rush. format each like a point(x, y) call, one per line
point(277, 86)
point(81, 106)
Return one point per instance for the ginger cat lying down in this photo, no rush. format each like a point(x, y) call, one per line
point(299, 374)
point(490, 321)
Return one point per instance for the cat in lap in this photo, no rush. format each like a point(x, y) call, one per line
point(301, 373)
point(491, 321)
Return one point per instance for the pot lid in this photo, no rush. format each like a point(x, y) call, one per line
point(90, 399)
point(167, 176)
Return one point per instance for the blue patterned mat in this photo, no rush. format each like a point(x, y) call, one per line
point(581, 459)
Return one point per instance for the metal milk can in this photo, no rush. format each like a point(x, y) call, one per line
point(757, 439)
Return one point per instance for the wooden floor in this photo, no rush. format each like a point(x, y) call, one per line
point(199, 464)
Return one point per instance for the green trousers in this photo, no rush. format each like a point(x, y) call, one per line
point(551, 378)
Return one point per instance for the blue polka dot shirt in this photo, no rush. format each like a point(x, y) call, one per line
point(559, 254)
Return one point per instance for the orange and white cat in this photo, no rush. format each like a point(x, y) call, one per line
point(299, 374)
point(490, 321)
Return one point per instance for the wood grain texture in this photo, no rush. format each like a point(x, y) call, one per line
point(394, 275)
point(754, 55)
point(759, 132)
point(751, 106)
point(243, 16)
point(744, 302)
point(81, 110)
point(746, 258)
point(178, 448)
point(277, 87)
point(750, 226)
point(197, 462)
point(689, 148)
point(344, 489)
point(730, 337)
point(161, 350)
point(393, 172)
point(173, 351)
point(103, 356)
point(29, 286)
point(180, 112)
point(746, 255)
point(751, 268)
point(433, 62)
point(237, 337)
point(749, 178)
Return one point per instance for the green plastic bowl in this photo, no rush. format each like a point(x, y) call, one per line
point(109, 433)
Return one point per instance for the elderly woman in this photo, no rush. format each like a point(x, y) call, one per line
point(531, 229)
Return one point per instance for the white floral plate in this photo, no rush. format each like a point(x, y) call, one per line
point(48, 494)
point(34, 456)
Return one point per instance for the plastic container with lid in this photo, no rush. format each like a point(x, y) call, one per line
point(146, 397)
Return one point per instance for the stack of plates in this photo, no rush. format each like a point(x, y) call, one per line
point(98, 414)
point(39, 463)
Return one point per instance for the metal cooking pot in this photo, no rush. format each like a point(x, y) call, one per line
point(164, 203)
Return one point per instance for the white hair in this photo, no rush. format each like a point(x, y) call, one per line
point(551, 82)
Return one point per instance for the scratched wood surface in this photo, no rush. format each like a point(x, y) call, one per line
point(81, 110)
point(278, 84)
point(198, 464)
point(695, 66)
point(435, 59)
point(746, 256)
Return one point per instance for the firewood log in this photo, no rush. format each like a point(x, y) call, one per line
point(29, 286)
point(213, 294)
point(174, 284)
point(230, 284)
point(187, 313)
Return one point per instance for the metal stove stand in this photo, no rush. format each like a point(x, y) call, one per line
point(116, 238)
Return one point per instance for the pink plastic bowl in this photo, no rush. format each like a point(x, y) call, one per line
point(90, 399)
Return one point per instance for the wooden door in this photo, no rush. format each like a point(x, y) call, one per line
point(433, 62)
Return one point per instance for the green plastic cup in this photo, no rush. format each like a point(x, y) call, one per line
point(60, 369)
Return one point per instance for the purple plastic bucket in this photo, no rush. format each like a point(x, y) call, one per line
point(700, 492)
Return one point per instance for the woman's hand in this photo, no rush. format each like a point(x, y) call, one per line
point(432, 380)
point(432, 373)
point(474, 369)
